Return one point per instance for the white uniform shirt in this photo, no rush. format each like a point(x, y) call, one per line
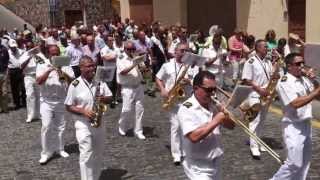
point(290, 88)
point(105, 51)
point(192, 116)
point(257, 70)
point(52, 90)
point(210, 53)
point(75, 54)
point(133, 78)
point(14, 58)
point(81, 94)
point(30, 68)
point(169, 72)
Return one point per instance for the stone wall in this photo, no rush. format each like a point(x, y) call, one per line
point(37, 11)
point(33, 11)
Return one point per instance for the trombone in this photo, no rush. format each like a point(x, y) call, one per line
point(245, 128)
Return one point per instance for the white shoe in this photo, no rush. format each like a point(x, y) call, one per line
point(44, 159)
point(140, 136)
point(122, 132)
point(255, 152)
point(63, 154)
point(29, 120)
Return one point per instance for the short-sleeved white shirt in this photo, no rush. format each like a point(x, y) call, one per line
point(52, 90)
point(210, 53)
point(258, 71)
point(75, 54)
point(170, 71)
point(289, 88)
point(81, 94)
point(14, 58)
point(108, 51)
point(133, 78)
point(192, 117)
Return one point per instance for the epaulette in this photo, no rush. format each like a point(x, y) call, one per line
point(251, 60)
point(187, 104)
point(75, 83)
point(39, 60)
point(284, 78)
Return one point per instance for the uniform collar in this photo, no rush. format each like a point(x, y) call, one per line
point(197, 105)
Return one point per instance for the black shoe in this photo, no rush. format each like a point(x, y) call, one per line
point(112, 105)
point(177, 163)
point(152, 94)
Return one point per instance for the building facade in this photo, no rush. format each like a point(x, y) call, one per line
point(253, 16)
point(63, 12)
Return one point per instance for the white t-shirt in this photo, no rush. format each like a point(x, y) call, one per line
point(14, 61)
point(289, 88)
point(75, 54)
point(105, 51)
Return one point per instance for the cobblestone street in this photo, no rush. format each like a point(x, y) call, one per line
point(130, 158)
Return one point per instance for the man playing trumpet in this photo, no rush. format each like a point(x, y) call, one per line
point(166, 79)
point(53, 91)
point(296, 92)
point(200, 120)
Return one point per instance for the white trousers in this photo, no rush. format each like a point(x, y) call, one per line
point(256, 126)
point(175, 133)
point(53, 125)
point(33, 97)
point(91, 143)
point(132, 106)
point(202, 170)
point(297, 137)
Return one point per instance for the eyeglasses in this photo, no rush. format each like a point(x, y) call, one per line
point(208, 90)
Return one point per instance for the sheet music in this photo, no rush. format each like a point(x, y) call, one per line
point(105, 73)
point(193, 59)
point(239, 94)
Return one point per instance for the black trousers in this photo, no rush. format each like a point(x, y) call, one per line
point(17, 87)
point(76, 71)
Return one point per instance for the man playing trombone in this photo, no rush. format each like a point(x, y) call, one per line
point(296, 91)
point(200, 119)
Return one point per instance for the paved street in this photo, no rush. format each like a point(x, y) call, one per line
point(130, 158)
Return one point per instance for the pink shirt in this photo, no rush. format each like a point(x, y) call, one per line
point(236, 44)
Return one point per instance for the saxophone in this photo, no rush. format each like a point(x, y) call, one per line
point(98, 108)
point(177, 91)
point(251, 112)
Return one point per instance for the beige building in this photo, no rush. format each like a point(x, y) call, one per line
point(254, 16)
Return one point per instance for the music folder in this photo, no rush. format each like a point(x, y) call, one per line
point(193, 59)
point(105, 73)
point(60, 61)
point(239, 94)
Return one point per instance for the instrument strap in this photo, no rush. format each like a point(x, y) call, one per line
point(85, 82)
point(263, 67)
point(177, 72)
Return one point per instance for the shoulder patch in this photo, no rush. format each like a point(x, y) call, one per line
point(75, 83)
point(251, 61)
point(39, 60)
point(187, 104)
point(284, 78)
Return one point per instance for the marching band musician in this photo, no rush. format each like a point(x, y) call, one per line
point(257, 74)
point(296, 92)
point(53, 91)
point(28, 65)
point(216, 55)
point(79, 101)
point(200, 119)
point(166, 79)
point(132, 91)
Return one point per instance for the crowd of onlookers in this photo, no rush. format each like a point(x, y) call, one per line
point(103, 42)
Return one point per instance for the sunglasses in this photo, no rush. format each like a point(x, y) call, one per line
point(208, 90)
point(130, 49)
point(298, 63)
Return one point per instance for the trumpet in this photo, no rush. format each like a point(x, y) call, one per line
point(245, 128)
point(63, 77)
